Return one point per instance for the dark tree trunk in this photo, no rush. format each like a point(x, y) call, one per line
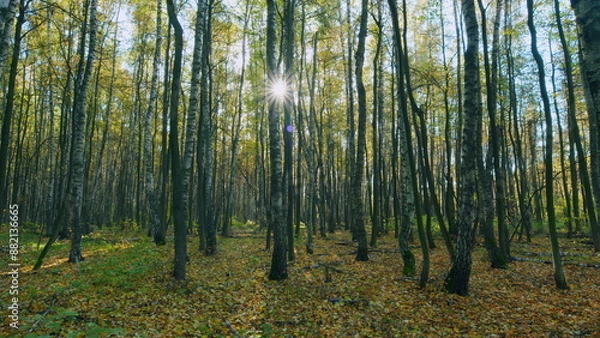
point(351, 138)
point(587, 13)
point(279, 260)
point(457, 280)
point(288, 129)
point(411, 163)
point(559, 276)
point(521, 178)
point(78, 136)
point(194, 103)
point(497, 254)
point(310, 154)
point(165, 154)
point(6, 14)
point(153, 207)
point(205, 157)
point(376, 215)
point(179, 269)
point(357, 176)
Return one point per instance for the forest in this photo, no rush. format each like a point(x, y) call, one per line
point(300, 168)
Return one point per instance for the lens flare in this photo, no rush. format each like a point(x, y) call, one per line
point(278, 90)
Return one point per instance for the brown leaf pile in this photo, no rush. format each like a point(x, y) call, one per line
point(124, 288)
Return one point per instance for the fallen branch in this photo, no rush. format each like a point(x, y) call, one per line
point(585, 265)
point(386, 251)
point(326, 265)
point(115, 241)
point(355, 302)
point(562, 254)
point(232, 329)
point(37, 322)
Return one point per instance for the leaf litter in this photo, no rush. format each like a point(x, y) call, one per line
point(124, 289)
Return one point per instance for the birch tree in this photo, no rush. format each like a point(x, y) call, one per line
point(179, 269)
point(9, 99)
point(155, 225)
point(358, 220)
point(457, 280)
point(8, 8)
point(278, 269)
point(559, 276)
point(587, 13)
point(84, 71)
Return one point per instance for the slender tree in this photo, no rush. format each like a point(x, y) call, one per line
point(194, 99)
point(497, 254)
point(521, 163)
point(310, 152)
point(350, 117)
point(82, 82)
point(164, 142)
point(376, 215)
point(288, 108)
point(587, 13)
point(559, 276)
point(406, 206)
point(8, 10)
point(278, 269)
point(205, 157)
point(155, 225)
point(457, 280)
point(5, 137)
point(357, 175)
point(179, 269)
point(236, 127)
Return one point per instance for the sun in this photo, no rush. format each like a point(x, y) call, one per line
point(278, 89)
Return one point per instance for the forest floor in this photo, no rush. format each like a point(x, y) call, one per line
point(124, 288)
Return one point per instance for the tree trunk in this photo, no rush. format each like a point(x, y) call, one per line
point(207, 222)
point(357, 175)
point(376, 215)
point(194, 98)
point(310, 154)
point(406, 198)
point(7, 14)
point(79, 115)
point(288, 129)
point(179, 269)
point(587, 13)
point(522, 181)
point(279, 260)
point(5, 138)
point(351, 138)
point(559, 276)
point(153, 206)
point(165, 153)
point(457, 280)
point(497, 254)
point(225, 230)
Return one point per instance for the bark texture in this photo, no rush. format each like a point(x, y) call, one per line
point(179, 269)
point(559, 276)
point(587, 13)
point(457, 280)
point(279, 260)
point(357, 176)
point(78, 137)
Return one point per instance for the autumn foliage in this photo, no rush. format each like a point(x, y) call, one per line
point(124, 288)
